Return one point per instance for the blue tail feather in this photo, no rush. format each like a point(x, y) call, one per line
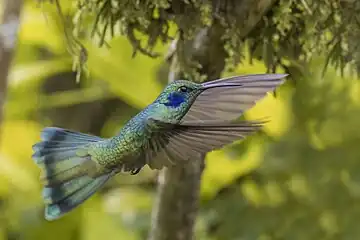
point(65, 135)
point(63, 198)
point(59, 144)
point(66, 170)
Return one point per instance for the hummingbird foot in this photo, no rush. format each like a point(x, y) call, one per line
point(135, 171)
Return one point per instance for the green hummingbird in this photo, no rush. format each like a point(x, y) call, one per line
point(185, 121)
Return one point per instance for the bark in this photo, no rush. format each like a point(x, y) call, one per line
point(9, 26)
point(176, 206)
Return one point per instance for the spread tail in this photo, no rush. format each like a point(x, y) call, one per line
point(66, 169)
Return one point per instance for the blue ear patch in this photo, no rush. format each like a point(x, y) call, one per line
point(175, 99)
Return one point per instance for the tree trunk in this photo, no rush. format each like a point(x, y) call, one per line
point(176, 206)
point(9, 26)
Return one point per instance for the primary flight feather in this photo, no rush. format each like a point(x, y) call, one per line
point(186, 121)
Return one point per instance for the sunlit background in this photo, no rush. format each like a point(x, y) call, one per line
point(298, 179)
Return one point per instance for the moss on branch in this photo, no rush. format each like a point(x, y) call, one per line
point(286, 30)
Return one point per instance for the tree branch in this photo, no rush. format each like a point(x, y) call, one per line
point(8, 37)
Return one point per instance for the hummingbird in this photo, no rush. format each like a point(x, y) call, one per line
point(186, 121)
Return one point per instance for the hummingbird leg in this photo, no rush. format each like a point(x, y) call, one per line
point(135, 171)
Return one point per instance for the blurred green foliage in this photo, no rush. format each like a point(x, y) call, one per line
point(298, 179)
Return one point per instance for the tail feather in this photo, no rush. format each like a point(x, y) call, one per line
point(63, 171)
point(67, 170)
point(64, 198)
point(59, 144)
point(44, 154)
point(65, 135)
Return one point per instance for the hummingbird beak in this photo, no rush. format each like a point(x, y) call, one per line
point(215, 84)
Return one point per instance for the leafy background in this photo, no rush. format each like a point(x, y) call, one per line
point(298, 179)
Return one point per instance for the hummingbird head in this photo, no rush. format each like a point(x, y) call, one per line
point(180, 94)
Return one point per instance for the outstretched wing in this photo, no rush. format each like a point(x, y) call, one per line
point(228, 98)
point(181, 142)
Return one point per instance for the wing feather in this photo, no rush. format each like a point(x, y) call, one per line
point(227, 99)
point(183, 142)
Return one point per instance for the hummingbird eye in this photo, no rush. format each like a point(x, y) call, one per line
point(183, 89)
